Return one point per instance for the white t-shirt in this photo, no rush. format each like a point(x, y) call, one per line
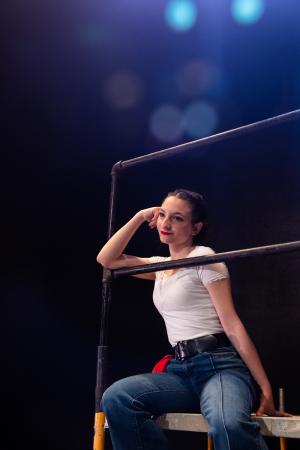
point(183, 300)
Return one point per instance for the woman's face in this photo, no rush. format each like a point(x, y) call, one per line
point(174, 223)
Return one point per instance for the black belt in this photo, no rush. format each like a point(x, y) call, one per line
point(185, 349)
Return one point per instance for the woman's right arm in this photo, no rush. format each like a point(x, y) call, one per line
point(111, 255)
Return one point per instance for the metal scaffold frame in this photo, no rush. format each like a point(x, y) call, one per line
point(109, 276)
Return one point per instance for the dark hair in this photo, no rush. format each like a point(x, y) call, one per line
point(198, 207)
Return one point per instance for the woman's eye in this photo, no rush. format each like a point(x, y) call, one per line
point(161, 214)
point(178, 218)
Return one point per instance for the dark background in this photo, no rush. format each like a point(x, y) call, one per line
point(61, 134)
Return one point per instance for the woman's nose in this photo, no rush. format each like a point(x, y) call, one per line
point(166, 222)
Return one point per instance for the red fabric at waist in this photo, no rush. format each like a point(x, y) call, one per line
point(161, 365)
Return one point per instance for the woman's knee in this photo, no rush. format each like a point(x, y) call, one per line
point(114, 397)
point(108, 398)
point(121, 395)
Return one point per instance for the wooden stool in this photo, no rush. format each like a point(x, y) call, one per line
point(280, 427)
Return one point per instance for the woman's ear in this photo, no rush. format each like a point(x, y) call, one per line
point(197, 227)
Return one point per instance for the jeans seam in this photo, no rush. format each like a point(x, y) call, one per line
point(155, 392)
point(222, 410)
point(221, 400)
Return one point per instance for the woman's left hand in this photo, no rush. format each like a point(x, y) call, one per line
point(266, 406)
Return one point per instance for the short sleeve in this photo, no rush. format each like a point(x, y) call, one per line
point(212, 272)
point(156, 259)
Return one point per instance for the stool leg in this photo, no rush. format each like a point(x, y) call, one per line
point(282, 440)
point(99, 432)
point(283, 443)
point(210, 443)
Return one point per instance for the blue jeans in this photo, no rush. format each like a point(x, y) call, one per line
point(218, 383)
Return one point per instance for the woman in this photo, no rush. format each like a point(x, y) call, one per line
point(215, 368)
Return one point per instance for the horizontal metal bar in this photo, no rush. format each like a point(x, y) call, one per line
point(209, 259)
point(235, 132)
point(270, 426)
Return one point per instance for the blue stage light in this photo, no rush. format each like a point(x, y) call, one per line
point(247, 12)
point(166, 123)
point(181, 15)
point(200, 119)
point(123, 90)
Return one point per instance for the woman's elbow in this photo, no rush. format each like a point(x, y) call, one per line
point(107, 263)
point(102, 260)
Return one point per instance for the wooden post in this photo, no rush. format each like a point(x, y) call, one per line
point(99, 431)
point(210, 444)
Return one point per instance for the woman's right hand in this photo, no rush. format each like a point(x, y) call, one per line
point(112, 256)
point(151, 215)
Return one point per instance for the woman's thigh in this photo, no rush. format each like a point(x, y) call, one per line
point(228, 396)
point(224, 385)
point(227, 401)
point(157, 393)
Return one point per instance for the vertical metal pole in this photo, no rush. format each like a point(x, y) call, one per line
point(101, 378)
point(283, 442)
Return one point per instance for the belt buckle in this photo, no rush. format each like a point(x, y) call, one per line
point(179, 352)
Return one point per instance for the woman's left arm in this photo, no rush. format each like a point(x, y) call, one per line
point(220, 293)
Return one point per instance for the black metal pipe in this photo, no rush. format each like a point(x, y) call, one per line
point(108, 276)
point(209, 259)
point(229, 134)
point(102, 361)
point(113, 198)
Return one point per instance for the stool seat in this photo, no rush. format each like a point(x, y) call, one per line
point(270, 426)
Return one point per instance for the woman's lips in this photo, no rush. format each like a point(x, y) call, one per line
point(165, 233)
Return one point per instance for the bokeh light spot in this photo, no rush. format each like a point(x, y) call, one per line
point(123, 90)
point(197, 76)
point(181, 15)
point(166, 123)
point(247, 12)
point(200, 119)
